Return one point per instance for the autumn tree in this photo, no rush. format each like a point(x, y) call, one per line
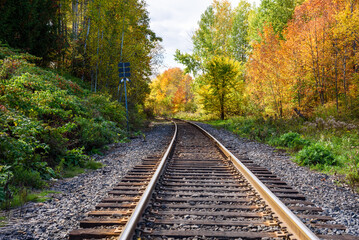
point(111, 22)
point(84, 37)
point(346, 42)
point(171, 92)
point(321, 54)
point(268, 84)
point(219, 85)
point(313, 67)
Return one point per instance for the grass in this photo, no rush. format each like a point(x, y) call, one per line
point(2, 221)
point(326, 145)
point(22, 196)
point(72, 171)
point(41, 196)
point(93, 165)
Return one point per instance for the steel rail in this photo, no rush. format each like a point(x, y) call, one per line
point(288, 219)
point(131, 225)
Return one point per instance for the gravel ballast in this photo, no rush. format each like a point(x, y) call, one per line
point(338, 202)
point(55, 218)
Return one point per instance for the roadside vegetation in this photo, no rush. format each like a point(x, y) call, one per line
point(49, 124)
point(330, 145)
point(60, 96)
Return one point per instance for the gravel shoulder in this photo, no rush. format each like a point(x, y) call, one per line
point(337, 202)
point(55, 218)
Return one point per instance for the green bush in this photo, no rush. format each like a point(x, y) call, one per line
point(45, 171)
point(340, 136)
point(291, 140)
point(316, 154)
point(137, 117)
point(91, 164)
point(27, 178)
point(255, 129)
point(5, 177)
point(51, 121)
point(102, 106)
point(352, 176)
point(75, 157)
point(95, 133)
point(57, 144)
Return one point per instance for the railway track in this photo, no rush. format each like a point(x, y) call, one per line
point(202, 192)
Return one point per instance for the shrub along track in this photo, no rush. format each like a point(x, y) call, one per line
point(204, 192)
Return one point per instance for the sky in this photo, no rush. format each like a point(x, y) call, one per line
point(175, 21)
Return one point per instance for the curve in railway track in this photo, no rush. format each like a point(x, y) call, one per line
point(199, 190)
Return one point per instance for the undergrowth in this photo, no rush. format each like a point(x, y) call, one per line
point(23, 195)
point(49, 123)
point(326, 145)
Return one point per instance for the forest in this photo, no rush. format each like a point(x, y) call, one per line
point(284, 73)
point(61, 99)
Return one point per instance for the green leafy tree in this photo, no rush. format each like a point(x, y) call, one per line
point(220, 84)
point(274, 12)
point(112, 21)
point(220, 46)
point(212, 38)
point(239, 37)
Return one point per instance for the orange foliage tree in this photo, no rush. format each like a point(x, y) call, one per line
point(314, 66)
point(171, 92)
point(268, 83)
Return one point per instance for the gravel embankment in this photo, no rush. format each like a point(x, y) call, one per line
point(55, 218)
point(338, 202)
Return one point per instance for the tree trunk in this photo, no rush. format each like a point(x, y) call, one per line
point(222, 111)
point(344, 78)
point(98, 58)
point(75, 6)
point(336, 77)
point(85, 45)
point(222, 106)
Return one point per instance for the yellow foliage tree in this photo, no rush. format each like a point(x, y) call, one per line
point(220, 85)
point(170, 92)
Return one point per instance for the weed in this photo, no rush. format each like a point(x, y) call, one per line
point(75, 157)
point(316, 154)
point(93, 165)
point(24, 195)
point(3, 221)
point(323, 144)
point(41, 196)
point(49, 120)
point(28, 178)
point(291, 140)
point(72, 171)
point(353, 174)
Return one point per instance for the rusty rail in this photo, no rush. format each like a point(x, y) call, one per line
point(130, 226)
point(288, 219)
